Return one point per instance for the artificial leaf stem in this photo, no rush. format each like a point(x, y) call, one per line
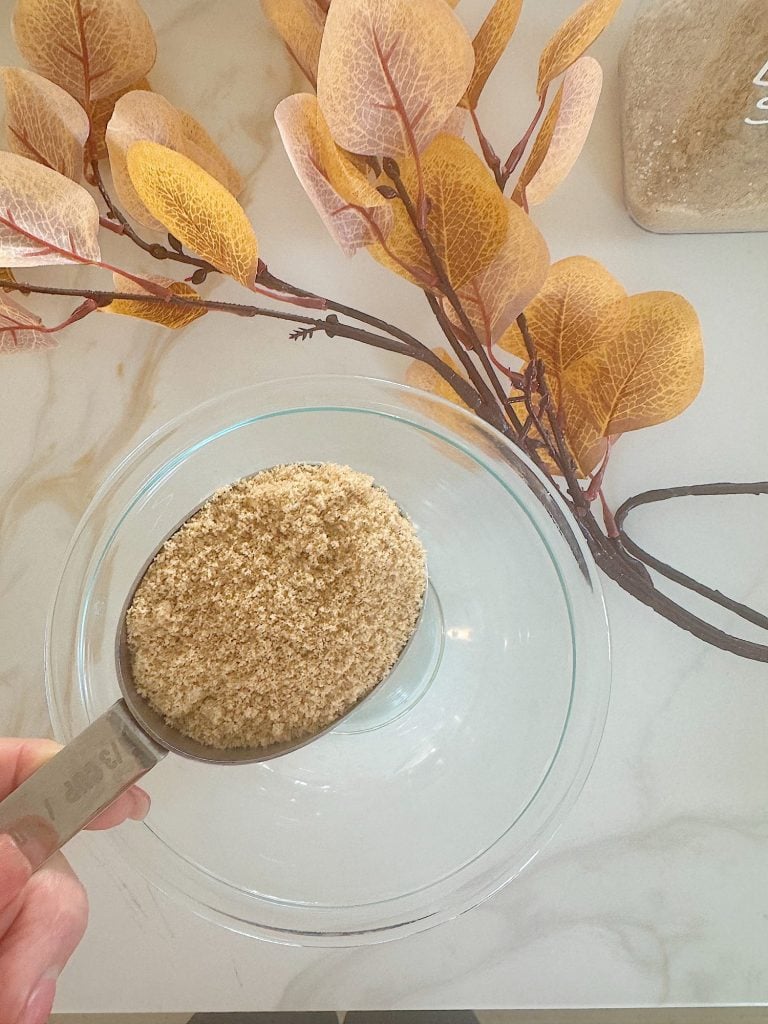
point(489, 154)
point(518, 152)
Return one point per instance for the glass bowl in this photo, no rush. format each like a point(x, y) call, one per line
point(443, 785)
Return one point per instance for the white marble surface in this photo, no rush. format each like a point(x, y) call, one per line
point(653, 892)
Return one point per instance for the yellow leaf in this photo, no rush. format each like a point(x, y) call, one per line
point(195, 208)
point(8, 276)
point(351, 208)
point(467, 220)
point(649, 372)
point(91, 48)
point(497, 295)
point(146, 116)
point(139, 116)
point(390, 73)
point(101, 112)
point(579, 309)
point(613, 363)
point(420, 375)
point(489, 44)
point(582, 432)
point(158, 312)
point(574, 36)
point(20, 328)
point(45, 218)
point(44, 123)
point(300, 25)
point(200, 147)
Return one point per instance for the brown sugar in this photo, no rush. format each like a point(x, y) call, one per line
point(277, 606)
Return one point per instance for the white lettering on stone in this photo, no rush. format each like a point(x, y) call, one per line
point(761, 79)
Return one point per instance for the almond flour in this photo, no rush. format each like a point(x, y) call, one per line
point(276, 607)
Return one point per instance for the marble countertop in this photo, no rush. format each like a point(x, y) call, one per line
point(653, 891)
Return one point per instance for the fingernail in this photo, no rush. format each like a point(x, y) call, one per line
point(141, 804)
point(40, 1002)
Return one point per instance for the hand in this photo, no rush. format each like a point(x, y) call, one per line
point(42, 916)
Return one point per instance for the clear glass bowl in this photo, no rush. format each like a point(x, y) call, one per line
point(441, 787)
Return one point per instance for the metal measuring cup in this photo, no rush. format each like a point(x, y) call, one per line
point(115, 751)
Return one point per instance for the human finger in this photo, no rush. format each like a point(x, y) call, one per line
point(40, 941)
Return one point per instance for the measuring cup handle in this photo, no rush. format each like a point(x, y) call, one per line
point(67, 792)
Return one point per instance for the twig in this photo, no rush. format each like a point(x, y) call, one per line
point(565, 459)
point(393, 171)
point(330, 326)
point(517, 153)
point(668, 571)
point(489, 154)
point(596, 481)
point(154, 249)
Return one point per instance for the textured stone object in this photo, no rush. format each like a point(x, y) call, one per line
point(694, 81)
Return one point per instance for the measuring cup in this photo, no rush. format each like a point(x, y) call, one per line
point(87, 775)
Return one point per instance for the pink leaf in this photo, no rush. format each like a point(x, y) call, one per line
point(19, 328)
point(350, 206)
point(581, 88)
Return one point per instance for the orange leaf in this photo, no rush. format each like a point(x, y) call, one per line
point(20, 328)
point(573, 38)
point(467, 221)
point(420, 375)
point(45, 218)
point(300, 25)
point(140, 116)
point(351, 208)
point(613, 363)
point(497, 295)
point(649, 372)
point(102, 111)
point(91, 48)
point(44, 123)
point(158, 312)
point(200, 147)
point(390, 73)
point(551, 163)
point(490, 43)
point(579, 309)
point(583, 432)
point(195, 208)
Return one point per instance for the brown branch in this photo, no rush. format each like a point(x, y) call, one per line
point(154, 249)
point(330, 326)
point(393, 172)
point(492, 412)
point(668, 571)
point(564, 460)
point(271, 281)
point(645, 592)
